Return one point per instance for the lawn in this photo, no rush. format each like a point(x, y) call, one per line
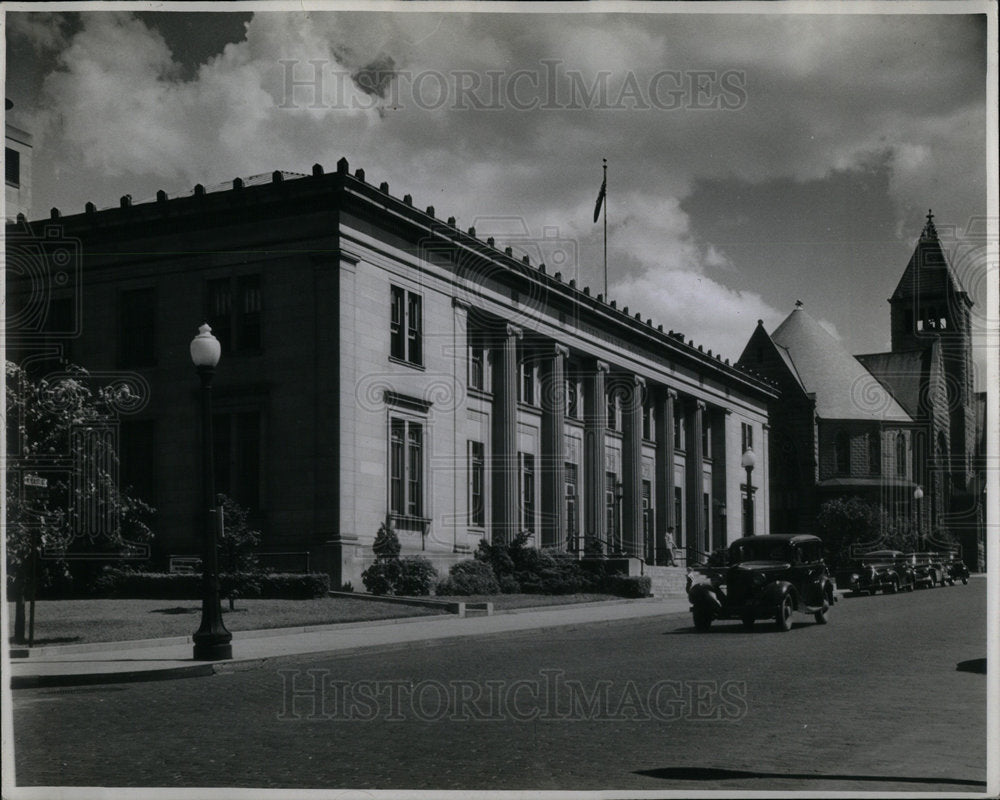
point(80, 621)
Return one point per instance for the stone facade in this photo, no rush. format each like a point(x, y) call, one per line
point(379, 362)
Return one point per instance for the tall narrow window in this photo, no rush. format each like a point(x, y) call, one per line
point(527, 492)
point(237, 456)
point(842, 452)
point(647, 514)
point(611, 509)
point(477, 473)
point(706, 435)
point(12, 166)
point(138, 328)
point(678, 430)
point(477, 362)
point(406, 326)
point(678, 516)
point(234, 312)
point(137, 469)
point(612, 410)
point(526, 387)
point(747, 437)
point(406, 472)
point(900, 455)
point(875, 453)
point(647, 422)
point(248, 312)
point(571, 489)
point(572, 398)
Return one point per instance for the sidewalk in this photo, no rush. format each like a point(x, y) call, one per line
point(165, 659)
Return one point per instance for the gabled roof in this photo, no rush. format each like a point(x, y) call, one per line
point(844, 389)
point(903, 373)
point(928, 275)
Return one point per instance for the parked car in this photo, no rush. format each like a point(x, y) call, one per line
point(888, 571)
point(768, 577)
point(955, 569)
point(928, 569)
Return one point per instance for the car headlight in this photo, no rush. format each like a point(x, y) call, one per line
point(855, 576)
point(759, 579)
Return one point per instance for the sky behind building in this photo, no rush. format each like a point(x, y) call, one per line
point(753, 159)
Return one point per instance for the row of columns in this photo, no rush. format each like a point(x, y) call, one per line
point(551, 359)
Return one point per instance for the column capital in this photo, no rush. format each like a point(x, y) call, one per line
point(700, 405)
point(560, 350)
point(513, 330)
point(766, 426)
point(671, 393)
point(638, 380)
point(601, 366)
point(464, 305)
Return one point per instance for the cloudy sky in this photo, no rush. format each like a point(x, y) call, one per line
point(753, 159)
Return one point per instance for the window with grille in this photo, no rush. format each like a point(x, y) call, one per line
point(477, 476)
point(406, 326)
point(406, 474)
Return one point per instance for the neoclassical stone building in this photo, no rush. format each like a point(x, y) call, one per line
point(379, 362)
point(904, 429)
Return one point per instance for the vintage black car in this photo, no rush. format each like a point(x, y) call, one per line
point(768, 577)
point(887, 571)
point(955, 569)
point(928, 569)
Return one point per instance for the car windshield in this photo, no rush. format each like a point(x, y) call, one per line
point(761, 550)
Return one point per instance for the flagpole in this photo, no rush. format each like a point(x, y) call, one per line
point(605, 230)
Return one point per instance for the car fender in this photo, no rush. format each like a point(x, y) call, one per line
point(774, 593)
point(704, 595)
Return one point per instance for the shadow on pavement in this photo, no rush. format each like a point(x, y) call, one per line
point(977, 665)
point(715, 774)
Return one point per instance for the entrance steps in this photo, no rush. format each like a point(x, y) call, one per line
point(666, 581)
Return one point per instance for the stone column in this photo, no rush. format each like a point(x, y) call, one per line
point(694, 413)
point(665, 445)
point(506, 508)
point(632, 540)
point(460, 474)
point(553, 461)
point(595, 414)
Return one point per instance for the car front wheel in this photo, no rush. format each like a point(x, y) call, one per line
point(702, 620)
point(783, 619)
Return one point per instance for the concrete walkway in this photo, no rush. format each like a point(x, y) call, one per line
point(164, 659)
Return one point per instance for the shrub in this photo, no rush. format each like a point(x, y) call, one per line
point(497, 556)
point(386, 544)
point(629, 585)
point(381, 577)
point(187, 586)
point(469, 577)
point(509, 584)
point(416, 577)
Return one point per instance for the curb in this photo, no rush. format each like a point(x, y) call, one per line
point(91, 678)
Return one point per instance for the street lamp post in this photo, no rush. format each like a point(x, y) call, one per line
point(748, 461)
point(918, 495)
point(212, 642)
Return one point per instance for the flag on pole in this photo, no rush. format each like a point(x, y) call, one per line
point(600, 198)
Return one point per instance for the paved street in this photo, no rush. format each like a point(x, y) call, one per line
point(889, 696)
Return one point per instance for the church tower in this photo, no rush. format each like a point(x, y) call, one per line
point(930, 309)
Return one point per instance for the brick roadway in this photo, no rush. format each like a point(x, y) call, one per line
point(881, 699)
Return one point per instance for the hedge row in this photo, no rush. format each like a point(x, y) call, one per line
point(175, 586)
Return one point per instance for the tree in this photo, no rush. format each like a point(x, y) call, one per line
point(846, 521)
point(59, 425)
point(240, 570)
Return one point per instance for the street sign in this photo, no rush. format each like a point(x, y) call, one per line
point(34, 480)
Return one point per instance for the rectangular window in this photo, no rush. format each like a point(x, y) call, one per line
point(647, 515)
point(647, 422)
point(138, 328)
point(612, 411)
point(706, 435)
point(477, 367)
point(12, 166)
point(406, 326)
point(406, 472)
point(248, 312)
point(237, 456)
point(527, 492)
point(477, 475)
point(136, 458)
point(234, 312)
point(527, 383)
point(747, 437)
point(571, 492)
point(611, 509)
point(706, 515)
point(678, 516)
point(572, 398)
point(678, 430)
